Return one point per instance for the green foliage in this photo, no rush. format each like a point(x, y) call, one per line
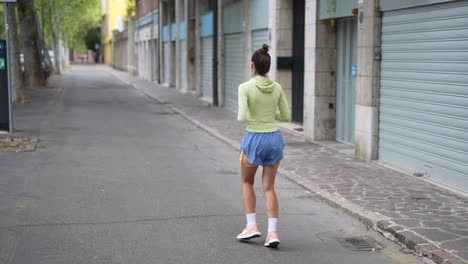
point(130, 11)
point(70, 20)
point(93, 37)
point(2, 21)
point(108, 40)
point(331, 6)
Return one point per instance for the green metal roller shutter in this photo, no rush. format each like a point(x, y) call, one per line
point(424, 92)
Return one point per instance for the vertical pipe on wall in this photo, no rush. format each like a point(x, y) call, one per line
point(151, 41)
point(161, 54)
point(220, 47)
point(198, 64)
point(214, 5)
point(177, 68)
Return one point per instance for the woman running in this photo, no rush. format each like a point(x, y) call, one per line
point(261, 104)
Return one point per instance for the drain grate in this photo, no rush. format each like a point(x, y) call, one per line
point(360, 243)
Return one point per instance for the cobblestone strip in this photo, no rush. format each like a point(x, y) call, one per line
point(419, 215)
point(417, 243)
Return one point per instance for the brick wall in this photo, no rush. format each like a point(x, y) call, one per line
point(144, 7)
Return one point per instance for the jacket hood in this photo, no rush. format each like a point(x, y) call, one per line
point(264, 84)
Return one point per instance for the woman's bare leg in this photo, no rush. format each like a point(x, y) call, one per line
point(268, 185)
point(248, 193)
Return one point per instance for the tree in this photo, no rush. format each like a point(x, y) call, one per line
point(68, 21)
point(17, 81)
point(129, 12)
point(53, 32)
point(31, 45)
point(93, 37)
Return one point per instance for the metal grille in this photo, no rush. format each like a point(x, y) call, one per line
point(360, 243)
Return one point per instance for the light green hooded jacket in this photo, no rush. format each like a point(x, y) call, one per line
point(261, 104)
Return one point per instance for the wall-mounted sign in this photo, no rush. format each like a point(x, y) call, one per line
point(361, 20)
point(353, 70)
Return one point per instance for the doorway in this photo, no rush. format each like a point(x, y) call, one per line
point(346, 80)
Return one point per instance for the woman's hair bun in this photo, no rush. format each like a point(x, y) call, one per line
point(265, 48)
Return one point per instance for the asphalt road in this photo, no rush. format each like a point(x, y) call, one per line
point(119, 178)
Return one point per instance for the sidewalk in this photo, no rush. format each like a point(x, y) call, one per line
point(426, 218)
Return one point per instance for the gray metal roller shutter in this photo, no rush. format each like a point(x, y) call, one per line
point(424, 92)
point(233, 68)
point(155, 60)
point(183, 64)
point(259, 37)
point(345, 83)
point(207, 67)
point(166, 62)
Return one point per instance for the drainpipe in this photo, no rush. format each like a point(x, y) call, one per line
point(151, 40)
point(214, 4)
point(161, 44)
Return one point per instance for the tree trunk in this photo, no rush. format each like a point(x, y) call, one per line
point(42, 46)
point(17, 81)
point(31, 47)
point(55, 44)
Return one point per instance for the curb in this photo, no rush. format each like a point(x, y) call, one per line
point(377, 221)
point(417, 243)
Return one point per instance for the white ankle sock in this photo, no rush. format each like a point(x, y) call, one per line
point(251, 221)
point(272, 224)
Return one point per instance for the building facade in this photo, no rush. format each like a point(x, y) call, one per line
point(146, 40)
point(387, 77)
point(113, 12)
point(401, 89)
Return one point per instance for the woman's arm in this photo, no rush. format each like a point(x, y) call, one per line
point(242, 99)
point(284, 114)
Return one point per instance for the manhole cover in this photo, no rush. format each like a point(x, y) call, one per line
point(360, 243)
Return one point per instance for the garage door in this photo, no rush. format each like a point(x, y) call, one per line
point(166, 62)
point(258, 38)
point(207, 68)
point(424, 92)
point(183, 65)
point(233, 68)
point(233, 52)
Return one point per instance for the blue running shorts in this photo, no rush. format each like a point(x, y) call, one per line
point(264, 149)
